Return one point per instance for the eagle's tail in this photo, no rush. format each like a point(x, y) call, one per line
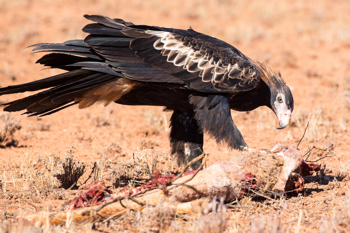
point(66, 90)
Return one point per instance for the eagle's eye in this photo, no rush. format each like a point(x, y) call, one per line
point(279, 99)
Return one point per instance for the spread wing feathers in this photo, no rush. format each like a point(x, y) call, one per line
point(201, 62)
point(214, 116)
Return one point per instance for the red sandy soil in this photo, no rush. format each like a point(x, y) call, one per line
point(307, 41)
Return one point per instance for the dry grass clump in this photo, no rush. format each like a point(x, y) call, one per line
point(8, 128)
point(102, 121)
point(98, 170)
point(154, 219)
point(139, 168)
point(70, 172)
point(163, 218)
point(34, 175)
point(10, 226)
point(114, 150)
point(212, 220)
point(81, 136)
point(40, 126)
point(344, 170)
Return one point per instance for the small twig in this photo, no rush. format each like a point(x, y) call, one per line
point(308, 153)
point(121, 203)
point(319, 159)
point(303, 134)
point(233, 202)
point(138, 202)
point(314, 147)
point(299, 222)
point(31, 205)
point(262, 195)
point(110, 202)
point(92, 171)
point(189, 164)
point(112, 216)
point(237, 207)
point(72, 186)
point(120, 198)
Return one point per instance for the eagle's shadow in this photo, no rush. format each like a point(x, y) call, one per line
point(321, 180)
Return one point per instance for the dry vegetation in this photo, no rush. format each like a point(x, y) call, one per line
point(8, 128)
point(308, 41)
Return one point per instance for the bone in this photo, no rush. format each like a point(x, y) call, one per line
point(225, 181)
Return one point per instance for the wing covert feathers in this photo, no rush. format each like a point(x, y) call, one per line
point(217, 63)
point(197, 61)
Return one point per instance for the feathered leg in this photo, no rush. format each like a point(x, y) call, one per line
point(213, 115)
point(186, 138)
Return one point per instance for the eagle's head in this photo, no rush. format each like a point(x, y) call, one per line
point(281, 98)
point(282, 104)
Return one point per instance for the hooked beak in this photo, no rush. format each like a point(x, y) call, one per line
point(284, 118)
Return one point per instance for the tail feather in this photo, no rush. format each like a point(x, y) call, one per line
point(62, 61)
point(92, 56)
point(59, 95)
point(61, 47)
point(44, 83)
point(58, 85)
point(49, 112)
point(72, 49)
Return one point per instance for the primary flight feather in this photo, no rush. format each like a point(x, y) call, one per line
point(197, 76)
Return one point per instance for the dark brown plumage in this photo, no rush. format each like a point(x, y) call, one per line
point(197, 76)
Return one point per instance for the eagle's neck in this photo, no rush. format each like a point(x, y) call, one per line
point(250, 100)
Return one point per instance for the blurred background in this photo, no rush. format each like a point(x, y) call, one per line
point(307, 41)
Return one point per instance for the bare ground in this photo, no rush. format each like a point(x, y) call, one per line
point(307, 41)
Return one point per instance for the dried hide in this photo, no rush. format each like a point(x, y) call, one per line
point(264, 171)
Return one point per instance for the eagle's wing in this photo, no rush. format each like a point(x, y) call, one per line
point(163, 55)
point(202, 62)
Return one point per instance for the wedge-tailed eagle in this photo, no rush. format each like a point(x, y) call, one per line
point(199, 77)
